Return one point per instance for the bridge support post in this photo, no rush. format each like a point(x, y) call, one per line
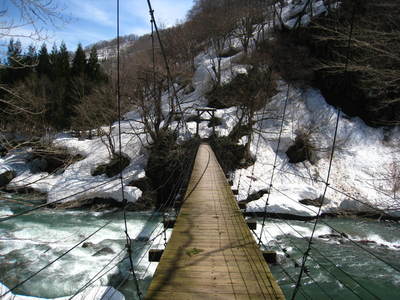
point(270, 257)
point(242, 205)
point(252, 224)
point(155, 255)
point(169, 223)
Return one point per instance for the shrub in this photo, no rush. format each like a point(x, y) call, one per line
point(214, 121)
point(250, 90)
point(114, 167)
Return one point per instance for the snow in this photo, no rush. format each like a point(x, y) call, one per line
point(360, 155)
point(77, 182)
point(294, 9)
point(363, 161)
point(102, 292)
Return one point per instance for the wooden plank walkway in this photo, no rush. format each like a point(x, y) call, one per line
point(212, 253)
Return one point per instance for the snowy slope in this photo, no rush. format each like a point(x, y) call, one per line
point(362, 159)
point(364, 166)
point(77, 183)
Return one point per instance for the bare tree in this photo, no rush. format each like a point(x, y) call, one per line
point(374, 53)
point(147, 97)
point(98, 112)
point(250, 16)
point(34, 17)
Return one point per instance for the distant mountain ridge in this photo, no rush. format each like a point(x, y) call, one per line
point(107, 49)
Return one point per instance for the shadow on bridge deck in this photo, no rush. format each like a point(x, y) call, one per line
point(212, 253)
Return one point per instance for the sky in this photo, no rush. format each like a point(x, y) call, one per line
point(90, 21)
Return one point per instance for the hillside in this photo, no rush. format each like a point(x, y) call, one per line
point(107, 49)
point(364, 175)
point(301, 111)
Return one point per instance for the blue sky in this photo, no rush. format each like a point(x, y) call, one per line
point(95, 20)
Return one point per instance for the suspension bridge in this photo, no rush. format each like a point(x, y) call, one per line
point(212, 253)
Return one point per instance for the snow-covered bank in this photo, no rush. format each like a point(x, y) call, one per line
point(365, 172)
point(362, 163)
point(98, 293)
point(373, 234)
point(77, 181)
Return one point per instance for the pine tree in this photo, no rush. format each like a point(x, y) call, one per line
point(14, 62)
point(44, 66)
point(93, 66)
point(29, 61)
point(63, 67)
point(31, 56)
point(14, 53)
point(53, 55)
point(79, 62)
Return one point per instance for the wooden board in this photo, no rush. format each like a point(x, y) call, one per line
point(212, 253)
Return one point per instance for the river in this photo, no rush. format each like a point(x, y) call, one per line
point(341, 268)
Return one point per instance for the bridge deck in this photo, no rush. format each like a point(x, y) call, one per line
point(211, 253)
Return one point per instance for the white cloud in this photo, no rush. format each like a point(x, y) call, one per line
point(95, 20)
point(93, 11)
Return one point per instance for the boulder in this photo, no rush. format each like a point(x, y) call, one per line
point(300, 151)
point(104, 251)
point(117, 164)
point(255, 196)
point(6, 177)
point(330, 236)
point(88, 245)
point(313, 202)
point(3, 151)
point(38, 165)
point(143, 183)
point(366, 242)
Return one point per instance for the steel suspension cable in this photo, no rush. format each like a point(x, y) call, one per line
point(151, 11)
point(276, 159)
point(125, 201)
point(321, 265)
point(260, 126)
point(53, 202)
point(377, 209)
point(293, 260)
point(330, 160)
point(55, 260)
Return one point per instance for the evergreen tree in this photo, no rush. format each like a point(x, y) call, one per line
point(29, 61)
point(79, 62)
point(31, 56)
point(53, 56)
point(93, 66)
point(14, 62)
point(14, 53)
point(44, 66)
point(63, 67)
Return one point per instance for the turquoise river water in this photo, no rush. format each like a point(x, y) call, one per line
point(337, 267)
